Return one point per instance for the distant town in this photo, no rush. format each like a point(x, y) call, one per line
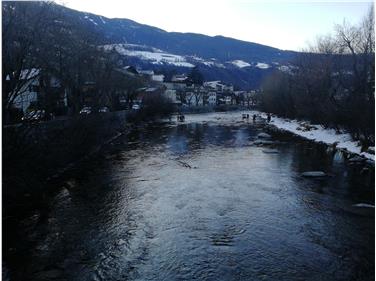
point(180, 90)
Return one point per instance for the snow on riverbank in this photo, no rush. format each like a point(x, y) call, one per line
point(320, 134)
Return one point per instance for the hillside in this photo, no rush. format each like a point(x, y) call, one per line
point(241, 63)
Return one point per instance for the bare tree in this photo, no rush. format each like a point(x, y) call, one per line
point(22, 31)
point(198, 94)
point(181, 96)
point(332, 83)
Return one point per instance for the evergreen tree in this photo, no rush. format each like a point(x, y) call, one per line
point(195, 76)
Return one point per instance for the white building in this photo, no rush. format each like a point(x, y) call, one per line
point(179, 78)
point(228, 100)
point(219, 86)
point(158, 78)
point(212, 98)
point(29, 92)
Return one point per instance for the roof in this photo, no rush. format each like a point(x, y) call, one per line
point(131, 69)
point(147, 72)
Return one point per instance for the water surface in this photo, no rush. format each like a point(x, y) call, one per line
point(200, 201)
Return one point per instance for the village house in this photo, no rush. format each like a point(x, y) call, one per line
point(157, 77)
point(179, 78)
point(212, 98)
point(40, 91)
point(219, 86)
point(131, 70)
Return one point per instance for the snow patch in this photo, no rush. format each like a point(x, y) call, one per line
point(240, 63)
point(155, 56)
point(328, 136)
point(93, 21)
point(262, 65)
point(212, 62)
point(103, 21)
point(90, 19)
point(284, 68)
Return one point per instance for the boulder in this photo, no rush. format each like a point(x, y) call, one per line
point(264, 136)
point(263, 142)
point(314, 174)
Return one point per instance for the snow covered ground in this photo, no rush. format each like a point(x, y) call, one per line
point(155, 56)
point(328, 136)
point(211, 62)
point(262, 65)
point(320, 134)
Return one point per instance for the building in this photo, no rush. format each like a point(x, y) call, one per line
point(131, 70)
point(28, 93)
point(179, 78)
point(40, 91)
point(219, 86)
point(157, 78)
point(212, 98)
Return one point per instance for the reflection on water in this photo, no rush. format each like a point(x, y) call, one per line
point(202, 202)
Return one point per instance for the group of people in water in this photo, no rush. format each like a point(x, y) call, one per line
point(254, 117)
point(181, 117)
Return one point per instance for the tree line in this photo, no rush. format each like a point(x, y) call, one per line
point(331, 83)
point(40, 35)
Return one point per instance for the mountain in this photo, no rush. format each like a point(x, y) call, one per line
point(241, 63)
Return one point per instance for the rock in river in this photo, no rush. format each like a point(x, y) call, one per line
point(314, 174)
point(271, 151)
point(263, 142)
point(264, 136)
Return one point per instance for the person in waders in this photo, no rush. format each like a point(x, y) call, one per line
point(269, 117)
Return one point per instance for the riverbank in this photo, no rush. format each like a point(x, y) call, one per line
point(342, 141)
point(37, 153)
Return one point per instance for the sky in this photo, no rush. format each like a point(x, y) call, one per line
point(288, 25)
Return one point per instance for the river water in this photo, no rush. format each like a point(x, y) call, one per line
point(200, 201)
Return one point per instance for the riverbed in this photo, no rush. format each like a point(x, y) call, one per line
point(203, 200)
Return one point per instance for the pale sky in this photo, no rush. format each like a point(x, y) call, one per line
point(281, 24)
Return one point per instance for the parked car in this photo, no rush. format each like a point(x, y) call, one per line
point(136, 107)
point(103, 109)
point(85, 110)
point(35, 115)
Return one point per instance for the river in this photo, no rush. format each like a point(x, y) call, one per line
point(200, 201)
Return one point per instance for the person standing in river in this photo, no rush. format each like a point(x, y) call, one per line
point(269, 117)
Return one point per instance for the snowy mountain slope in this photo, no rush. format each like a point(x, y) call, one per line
point(155, 56)
point(241, 63)
point(160, 57)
